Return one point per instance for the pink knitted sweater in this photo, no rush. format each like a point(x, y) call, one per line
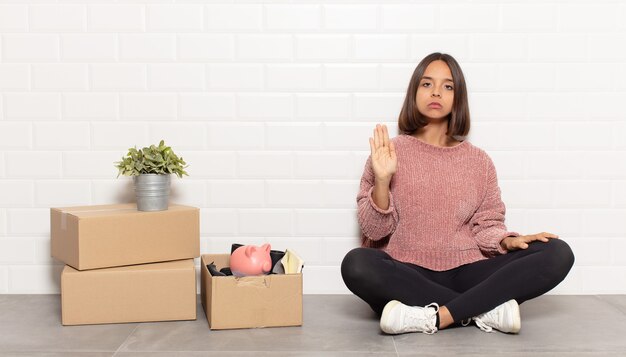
point(445, 207)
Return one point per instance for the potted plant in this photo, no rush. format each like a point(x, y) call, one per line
point(150, 168)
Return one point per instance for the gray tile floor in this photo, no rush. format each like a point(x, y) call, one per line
point(334, 325)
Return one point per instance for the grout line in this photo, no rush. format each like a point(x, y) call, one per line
point(393, 339)
point(130, 334)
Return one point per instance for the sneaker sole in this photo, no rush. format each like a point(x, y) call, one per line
point(384, 319)
point(517, 323)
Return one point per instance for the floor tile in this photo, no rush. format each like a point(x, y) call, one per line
point(33, 323)
point(550, 324)
point(339, 323)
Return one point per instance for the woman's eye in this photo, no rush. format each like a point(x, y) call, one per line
point(449, 87)
point(425, 84)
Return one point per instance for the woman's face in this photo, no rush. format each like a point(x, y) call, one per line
point(435, 92)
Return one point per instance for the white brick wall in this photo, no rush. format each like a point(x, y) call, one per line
point(271, 104)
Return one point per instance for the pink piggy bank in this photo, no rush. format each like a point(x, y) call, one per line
point(251, 260)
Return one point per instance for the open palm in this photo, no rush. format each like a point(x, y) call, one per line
point(384, 159)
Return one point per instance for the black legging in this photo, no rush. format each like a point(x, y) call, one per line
point(468, 290)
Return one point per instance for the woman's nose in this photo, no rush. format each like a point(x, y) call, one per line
point(436, 94)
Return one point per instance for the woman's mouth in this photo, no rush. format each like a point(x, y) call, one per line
point(434, 106)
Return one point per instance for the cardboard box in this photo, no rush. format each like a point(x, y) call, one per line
point(90, 237)
point(253, 301)
point(138, 293)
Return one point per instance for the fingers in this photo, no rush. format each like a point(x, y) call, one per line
point(385, 136)
point(372, 147)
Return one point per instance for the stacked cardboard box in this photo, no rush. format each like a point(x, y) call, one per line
point(125, 265)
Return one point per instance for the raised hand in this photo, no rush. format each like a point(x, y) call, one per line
point(384, 159)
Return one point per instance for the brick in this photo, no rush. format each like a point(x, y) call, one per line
point(236, 193)
point(350, 17)
point(14, 77)
point(178, 17)
point(207, 106)
point(286, 193)
point(61, 135)
point(206, 46)
point(92, 106)
point(235, 76)
point(265, 106)
point(325, 165)
point(499, 47)
point(527, 136)
point(326, 222)
point(603, 164)
point(603, 223)
point(16, 193)
point(324, 280)
point(117, 135)
point(91, 164)
point(323, 106)
point(522, 77)
point(351, 76)
point(553, 165)
point(543, 47)
point(378, 106)
point(62, 193)
point(217, 221)
point(498, 106)
point(147, 47)
point(263, 222)
point(294, 136)
point(563, 221)
point(176, 77)
point(292, 17)
point(294, 77)
point(249, 136)
point(210, 164)
point(527, 193)
point(114, 189)
point(322, 47)
point(582, 136)
point(114, 18)
point(396, 77)
point(181, 135)
point(33, 164)
point(28, 221)
point(57, 17)
point(16, 251)
point(188, 191)
point(457, 45)
point(481, 77)
point(60, 77)
point(30, 47)
point(470, 18)
point(225, 17)
point(588, 18)
point(349, 136)
point(42, 279)
point(13, 18)
point(265, 165)
point(403, 17)
point(264, 47)
point(15, 135)
point(122, 76)
point(89, 47)
point(529, 17)
point(380, 47)
point(582, 194)
point(150, 106)
point(340, 194)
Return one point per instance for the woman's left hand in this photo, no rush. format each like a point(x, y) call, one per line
point(521, 242)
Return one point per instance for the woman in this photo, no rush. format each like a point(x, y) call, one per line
point(436, 251)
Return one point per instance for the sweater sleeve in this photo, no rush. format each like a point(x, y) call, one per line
point(488, 221)
point(375, 222)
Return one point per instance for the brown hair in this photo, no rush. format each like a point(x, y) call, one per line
point(411, 120)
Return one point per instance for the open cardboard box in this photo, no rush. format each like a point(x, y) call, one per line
point(90, 237)
point(252, 301)
point(138, 293)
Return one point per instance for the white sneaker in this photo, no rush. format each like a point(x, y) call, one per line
point(505, 318)
point(399, 318)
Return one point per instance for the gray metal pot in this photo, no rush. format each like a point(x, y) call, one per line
point(153, 191)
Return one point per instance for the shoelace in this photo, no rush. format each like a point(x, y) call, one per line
point(490, 315)
point(429, 318)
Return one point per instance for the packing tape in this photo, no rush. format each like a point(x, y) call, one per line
point(253, 281)
point(72, 211)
